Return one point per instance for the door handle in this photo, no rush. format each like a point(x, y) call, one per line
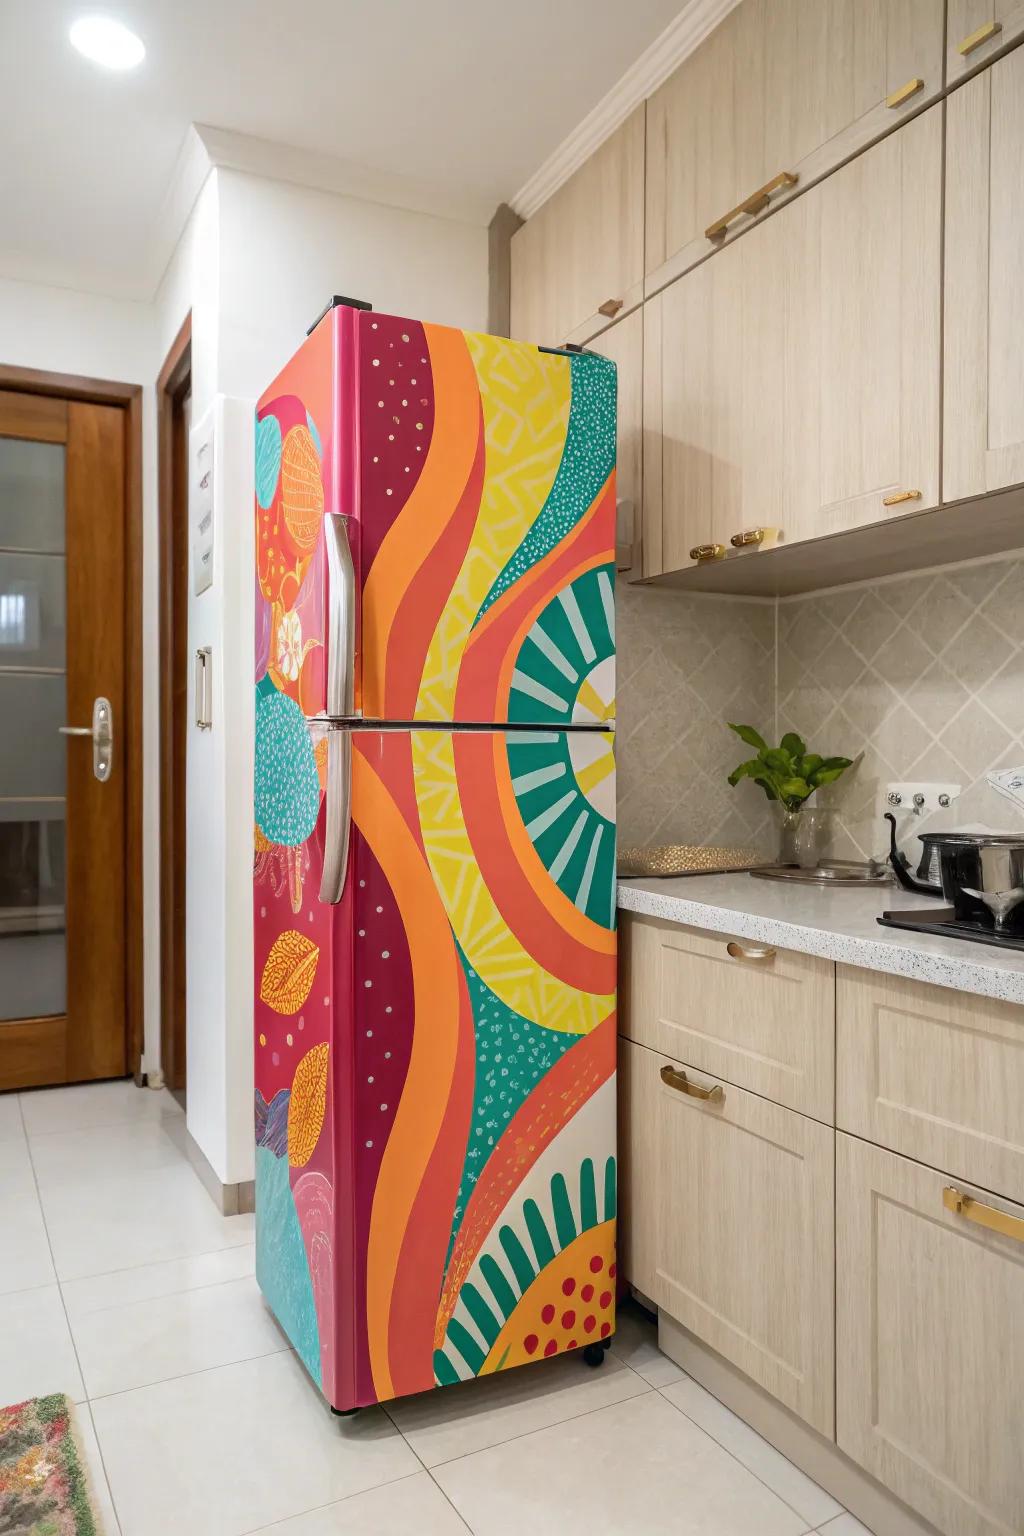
point(341, 618)
point(102, 733)
point(983, 1215)
point(674, 1077)
point(336, 832)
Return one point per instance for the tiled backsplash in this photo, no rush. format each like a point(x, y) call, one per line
point(923, 675)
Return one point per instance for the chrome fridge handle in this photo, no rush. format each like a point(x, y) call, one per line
point(341, 618)
point(339, 798)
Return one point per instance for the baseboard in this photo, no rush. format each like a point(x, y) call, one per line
point(873, 1505)
point(230, 1199)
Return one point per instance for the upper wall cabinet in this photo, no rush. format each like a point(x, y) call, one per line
point(983, 428)
point(779, 94)
point(624, 345)
point(792, 382)
point(579, 262)
point(976, 30)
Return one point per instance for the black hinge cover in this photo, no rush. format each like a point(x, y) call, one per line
point(339, 298)
point(570, 346)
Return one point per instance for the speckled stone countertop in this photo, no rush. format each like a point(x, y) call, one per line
point(838, 924)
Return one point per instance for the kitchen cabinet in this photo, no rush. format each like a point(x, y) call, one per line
point(929, 1342)
point(983, 417)
point(976, 30)
point(641, 1175)
point(764, 1020)
point(779, 94)
point(578, 262)
point(795, 375)
point(624, 345)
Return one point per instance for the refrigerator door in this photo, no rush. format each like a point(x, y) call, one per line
point(444, 1038)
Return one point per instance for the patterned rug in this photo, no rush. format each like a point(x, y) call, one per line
point(43, 1482)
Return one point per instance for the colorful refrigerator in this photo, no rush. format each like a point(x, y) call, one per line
point(434, 901)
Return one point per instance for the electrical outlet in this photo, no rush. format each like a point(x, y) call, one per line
point(920, 799)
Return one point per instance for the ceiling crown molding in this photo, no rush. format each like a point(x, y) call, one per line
point(679, 39)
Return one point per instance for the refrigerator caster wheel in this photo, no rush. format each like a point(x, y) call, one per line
point(344, 1413)
point(606, 1344)
point(593, 1354)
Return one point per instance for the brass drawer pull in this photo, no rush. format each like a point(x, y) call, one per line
point(749, 951)
point(702, 552)
point(975, 1210)
point(905, 92)
point(673, 1077)
point(747, 537)
point(898, 496)
point(755, 203)
point(975, 39)
point(610, 307)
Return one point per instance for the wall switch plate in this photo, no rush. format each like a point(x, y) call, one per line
point(920, 799)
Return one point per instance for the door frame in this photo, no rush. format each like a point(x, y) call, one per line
point(128, 397)
point(174, 381)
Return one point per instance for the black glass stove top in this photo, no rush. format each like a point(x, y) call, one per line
point(942, 920)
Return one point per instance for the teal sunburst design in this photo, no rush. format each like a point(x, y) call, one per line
point(565, 670)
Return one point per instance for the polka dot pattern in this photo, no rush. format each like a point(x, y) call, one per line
point(287, 784)
point(397, 423)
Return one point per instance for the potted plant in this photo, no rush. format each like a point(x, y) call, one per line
point(789, 776)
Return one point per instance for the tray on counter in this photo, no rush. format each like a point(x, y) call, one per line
point(676, 859)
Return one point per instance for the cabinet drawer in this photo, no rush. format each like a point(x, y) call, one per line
point(935, 1074)
point(929, 1343)
point(759, 1017)
point(745, 1245)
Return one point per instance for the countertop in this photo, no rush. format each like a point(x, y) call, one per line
point(838, 924)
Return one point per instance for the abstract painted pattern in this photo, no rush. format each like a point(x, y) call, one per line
point(435, 1055)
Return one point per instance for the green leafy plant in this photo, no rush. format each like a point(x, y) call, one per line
point(787, 773)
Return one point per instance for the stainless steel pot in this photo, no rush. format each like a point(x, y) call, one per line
point(980, 874)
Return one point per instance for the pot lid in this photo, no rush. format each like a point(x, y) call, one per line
point(974, 839)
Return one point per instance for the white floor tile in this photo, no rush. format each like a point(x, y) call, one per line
point(785, 1479)
point(149, 1282)
point(121, 1221)
point(16, 1175)
point(10, 1117)
point(87, 1104)
point(229, 1450)
point(143, 1342)
point(637, 1466)
point(99, 1488)
point(635, 1341)
point(476, 1414)
point(416, 1504)
point(845, 1525)
point(81, 1157)
point(24, 1250)
point(37, 1356)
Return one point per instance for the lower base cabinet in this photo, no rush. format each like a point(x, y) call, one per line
point(930, 1341)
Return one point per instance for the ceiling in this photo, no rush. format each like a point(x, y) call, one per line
point(468, 95)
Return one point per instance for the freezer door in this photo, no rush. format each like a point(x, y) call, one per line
point(486, 506)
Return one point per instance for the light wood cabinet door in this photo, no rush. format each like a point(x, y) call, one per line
point(759, 1017)
point(642, 1179)
point(745, 1239)
point(781, 86)
point(624, 345)
point(579, 261)
point(929, 1343)
point(976, 30)
point(983, 415)
point(935, 1074)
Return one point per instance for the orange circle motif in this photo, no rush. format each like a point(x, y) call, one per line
point(302, 488)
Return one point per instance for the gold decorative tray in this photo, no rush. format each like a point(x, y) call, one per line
point(686, 859)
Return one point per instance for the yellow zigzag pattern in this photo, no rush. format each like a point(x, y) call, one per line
point(525, 395)
point(494, 953)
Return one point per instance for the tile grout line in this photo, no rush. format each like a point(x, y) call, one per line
point(392, 1482)
point(427, 1470)
point(142, 1301)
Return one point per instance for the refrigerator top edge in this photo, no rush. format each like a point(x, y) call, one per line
point(511, 728)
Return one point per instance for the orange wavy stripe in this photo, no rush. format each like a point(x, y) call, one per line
point(516, 878)
point(436, 1001)
point(558, 1096)
point(414, 533)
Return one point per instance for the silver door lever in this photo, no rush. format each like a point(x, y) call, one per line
point(102, 733)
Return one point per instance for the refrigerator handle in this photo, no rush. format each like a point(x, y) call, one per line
point(339, 802)
point(341, 617)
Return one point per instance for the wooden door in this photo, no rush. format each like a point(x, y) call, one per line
point(976, 30)
point(983, 414)
point(62, 812)
point(579, 261)
point(624, 344)
point(745, 1237)
point(929, 1342)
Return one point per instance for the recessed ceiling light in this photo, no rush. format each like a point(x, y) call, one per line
point(105, 41)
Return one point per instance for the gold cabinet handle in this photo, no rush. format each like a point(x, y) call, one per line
point(610, 307)
point(975, 1210)
point(755, 203)
point(975, 39)
point(673, 1077)
point(905, 92)
point(702, 552)
point(898, 496)
point(749, 951)
point(747, 537)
